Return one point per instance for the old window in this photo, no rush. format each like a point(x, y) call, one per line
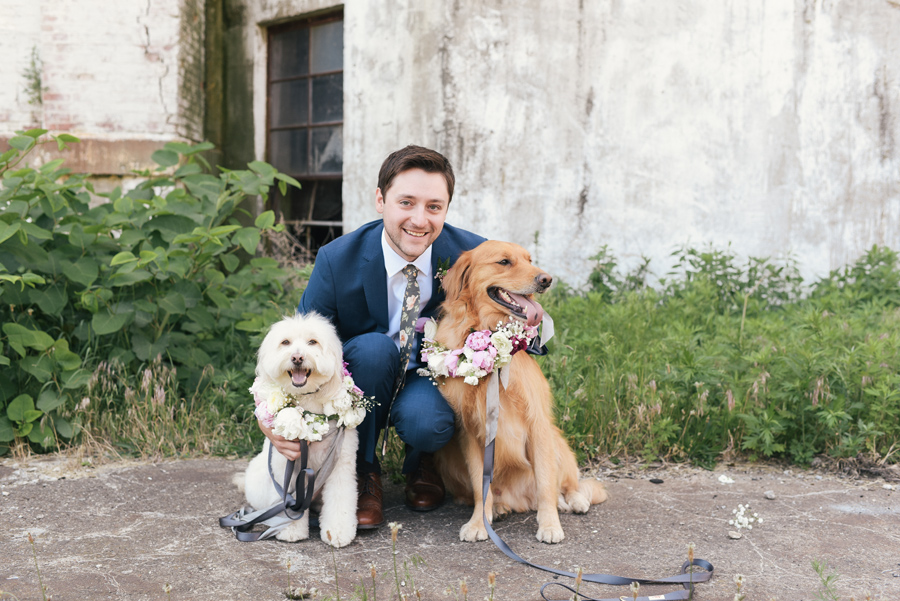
point(305, 118)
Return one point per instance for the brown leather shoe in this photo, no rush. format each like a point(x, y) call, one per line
point(369, 511)
point(424, 487)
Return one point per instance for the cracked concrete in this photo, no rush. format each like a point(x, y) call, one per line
point(126, 530)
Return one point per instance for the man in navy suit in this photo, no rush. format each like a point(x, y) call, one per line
point(358, 283)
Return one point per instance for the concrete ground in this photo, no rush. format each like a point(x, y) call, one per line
point(129, 530)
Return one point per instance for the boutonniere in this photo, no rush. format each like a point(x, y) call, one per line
point(443, 266)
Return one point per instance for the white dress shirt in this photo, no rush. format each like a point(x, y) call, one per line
point(396, 288)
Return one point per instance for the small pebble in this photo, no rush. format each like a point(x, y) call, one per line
point(769, 494)
point(734, 535)
point(656, 480)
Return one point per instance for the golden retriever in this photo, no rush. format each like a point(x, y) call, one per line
point(534, 468)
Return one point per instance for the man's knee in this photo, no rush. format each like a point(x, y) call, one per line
point(373, 351)
point(426, 425)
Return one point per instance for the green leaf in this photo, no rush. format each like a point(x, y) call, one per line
point(7, 433)
point(35, 133)
point(18, 407)
point(122, 257)
point(248, 238)
point(288, 179)
point(36, 232)
point(172, 303)
point(83, 271)
point(223, 229)
point(179, 147)
point(64, 357)
point(105, 322)
point(262, 168)
point(20, 337)
point(41, 367)
point(42, 434)
point(265, 220)
point(188, 169)
point(124, 205)
point(76, 379)
point(230, 262)
point(6, 231)
point(63, 427)
point(48, 400)
point(21, 143)
point(165, 158)
point(51, 299)
point(24, 429)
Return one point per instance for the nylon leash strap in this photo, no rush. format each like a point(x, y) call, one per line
point(687, 578)
point(292, 506)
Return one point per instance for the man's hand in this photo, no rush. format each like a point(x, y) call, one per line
point(289, 448)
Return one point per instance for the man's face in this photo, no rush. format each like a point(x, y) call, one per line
point(413, 210)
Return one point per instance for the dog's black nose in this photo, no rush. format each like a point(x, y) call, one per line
point(297, 359)
point(544, 280)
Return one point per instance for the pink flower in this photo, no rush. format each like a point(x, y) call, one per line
point(483, 360)
point(263, 415)
point(479, 340)
point(452, 361)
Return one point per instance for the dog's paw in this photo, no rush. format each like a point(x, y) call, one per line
point(297, 530)
point(473, 531)
point(501, 511)
point(338, 537)
point(550, 534)
point(577, 502)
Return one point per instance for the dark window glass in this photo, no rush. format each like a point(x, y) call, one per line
point(289, 101)
point(305, 127)
point(289, 53)
point(328, 98)
point(327, 47)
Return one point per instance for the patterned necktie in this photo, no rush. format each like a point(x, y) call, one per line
point(409, 313)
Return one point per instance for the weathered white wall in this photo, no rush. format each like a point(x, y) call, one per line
point(643, 125)
point(123, 76)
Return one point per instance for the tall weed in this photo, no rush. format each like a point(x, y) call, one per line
point(725, 357)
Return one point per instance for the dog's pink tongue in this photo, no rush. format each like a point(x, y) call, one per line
point(298, 376)
point(534, 312)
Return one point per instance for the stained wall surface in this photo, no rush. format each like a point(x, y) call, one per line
point(769, 125)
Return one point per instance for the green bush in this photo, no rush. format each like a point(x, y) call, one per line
point(728, 357)
point(165, 270)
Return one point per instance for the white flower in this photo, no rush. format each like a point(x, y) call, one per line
point(471, 380)
point(437, 364)
point(290, 423)
point(502, 344)
point(343, 402)
point(352, 418)
point(430, 329)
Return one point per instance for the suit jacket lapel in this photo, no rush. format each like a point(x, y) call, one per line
point(440, 252)
point(375, 279)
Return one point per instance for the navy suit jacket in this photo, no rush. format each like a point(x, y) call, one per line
point(349, 282)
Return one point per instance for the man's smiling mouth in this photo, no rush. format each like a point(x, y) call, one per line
point(414, 234)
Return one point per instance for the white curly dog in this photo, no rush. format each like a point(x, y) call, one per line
point(303, 356)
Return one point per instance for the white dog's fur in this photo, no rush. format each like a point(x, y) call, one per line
point(308, 343)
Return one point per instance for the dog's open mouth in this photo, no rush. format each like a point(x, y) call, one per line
point(523, 307)
point(299, 376)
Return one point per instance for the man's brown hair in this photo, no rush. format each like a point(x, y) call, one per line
point(415, 157)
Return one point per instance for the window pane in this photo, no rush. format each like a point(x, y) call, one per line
point(290, 103)
point(327, 150)
point(290, 53)
point(328, 98)
point(288, 151)
point(327, 47)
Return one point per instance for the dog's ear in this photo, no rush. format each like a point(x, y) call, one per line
point(456, 280)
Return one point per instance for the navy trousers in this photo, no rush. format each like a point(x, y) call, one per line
point(420, 415)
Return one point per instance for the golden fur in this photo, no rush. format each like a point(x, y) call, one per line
point(534, 468)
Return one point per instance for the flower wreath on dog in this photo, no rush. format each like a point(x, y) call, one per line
point(483, 352)
point(281, 411)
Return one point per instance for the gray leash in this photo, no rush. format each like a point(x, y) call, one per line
point(686, 578)
point(306, 486)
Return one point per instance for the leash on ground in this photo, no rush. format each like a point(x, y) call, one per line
point(687, 578)
point(306, 485)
